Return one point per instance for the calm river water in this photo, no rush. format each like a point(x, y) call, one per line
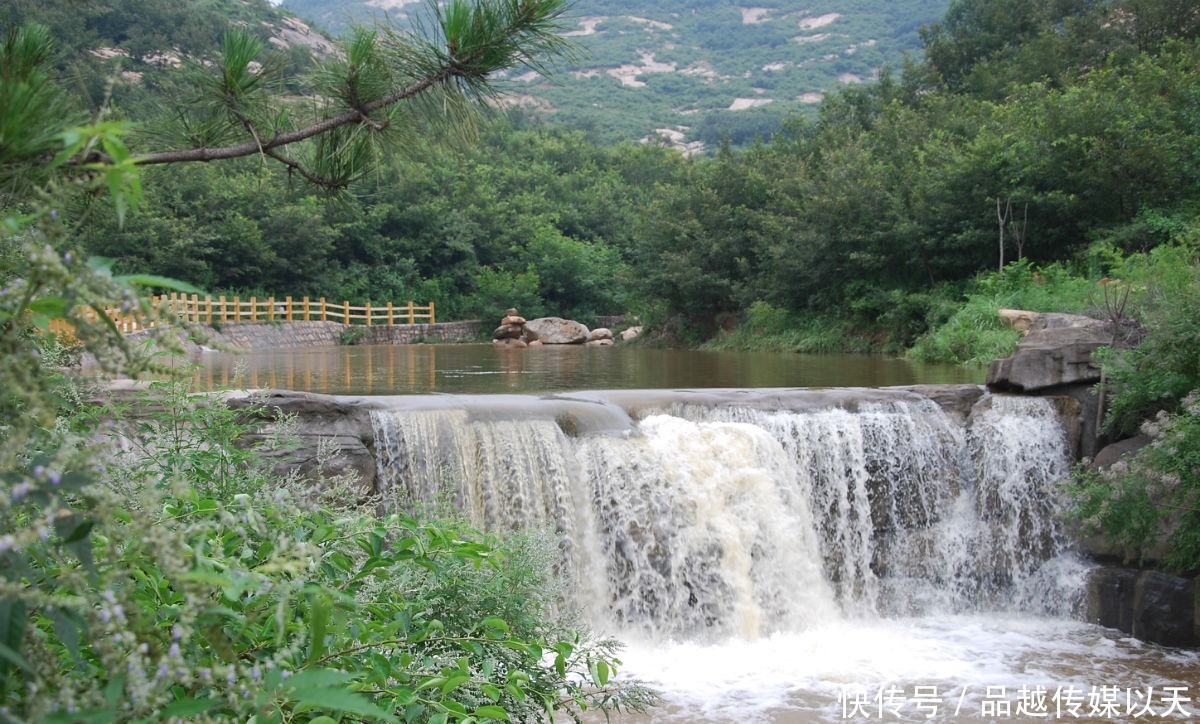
point(485, 369)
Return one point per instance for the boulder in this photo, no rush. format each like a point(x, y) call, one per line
point(1057, 351)
point(600, 342)
point(1018, 319)
point(599, 334)
point(556, 330)
point(321, 423)
point(514, 342)
point(1110, 454)
point(508, 331)
point(1151, 605)
point(631, 333)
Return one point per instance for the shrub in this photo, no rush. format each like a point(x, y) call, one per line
point(1154, 387)
point(769, 328)
point(179, 578)
point(1152, 497)
point(975, 334)
point(1162, 370)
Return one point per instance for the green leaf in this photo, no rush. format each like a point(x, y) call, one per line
point(454, 681)
point(67, 625)
point(53, 307)
point(491, 691)
point(492, 712)
point(317, 679)
point(114, 688)
point(189, 707)
point(603, 670)
point(13, 620)
point(599, 670)
point(318, 621)
point(153, 280)
point(341, 700)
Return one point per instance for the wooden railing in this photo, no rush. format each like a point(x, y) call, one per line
point(226, 310)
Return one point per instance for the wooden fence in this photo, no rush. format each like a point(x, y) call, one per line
point(225, 310)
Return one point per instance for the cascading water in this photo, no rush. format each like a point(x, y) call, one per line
point(737, 519)
point(703, 520)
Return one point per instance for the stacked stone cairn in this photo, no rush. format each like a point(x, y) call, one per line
point(510, 331)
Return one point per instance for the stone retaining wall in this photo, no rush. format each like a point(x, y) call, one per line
point(291, 335)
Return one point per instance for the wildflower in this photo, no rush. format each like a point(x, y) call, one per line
point(20, 491)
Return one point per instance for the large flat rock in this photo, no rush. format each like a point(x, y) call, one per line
point(1056, 352)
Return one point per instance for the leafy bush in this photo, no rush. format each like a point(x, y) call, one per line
point(1161, 371)
point(178, 578)
point(1154, 496)
point(976, 335)
point(769, 328)
point(352, 335)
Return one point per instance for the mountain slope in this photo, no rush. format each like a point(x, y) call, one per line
point(694, 70)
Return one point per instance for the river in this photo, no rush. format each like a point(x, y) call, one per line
point(485, 369)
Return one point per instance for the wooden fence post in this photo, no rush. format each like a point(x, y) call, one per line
point(367, 311)
point(345, 312)
point(270, 309)
point(306, 308)
point(288, 307)
point(253, 309)
point(432, 318)
point(324, 315)
point(389, 317)
point(410, 312)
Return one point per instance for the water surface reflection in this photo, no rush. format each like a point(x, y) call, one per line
point(483, 369)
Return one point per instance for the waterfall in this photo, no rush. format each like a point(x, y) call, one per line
point(757, 514)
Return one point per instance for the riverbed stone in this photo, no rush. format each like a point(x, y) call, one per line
point(631, 334)
point(556, 330)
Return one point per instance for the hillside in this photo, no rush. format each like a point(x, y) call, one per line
point(693, 71)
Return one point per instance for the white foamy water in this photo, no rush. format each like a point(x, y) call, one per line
point(965, 668)
point(804, 557)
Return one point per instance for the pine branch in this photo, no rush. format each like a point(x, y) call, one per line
point(354, 115)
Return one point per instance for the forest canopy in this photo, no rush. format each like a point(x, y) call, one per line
point(1076, 122)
